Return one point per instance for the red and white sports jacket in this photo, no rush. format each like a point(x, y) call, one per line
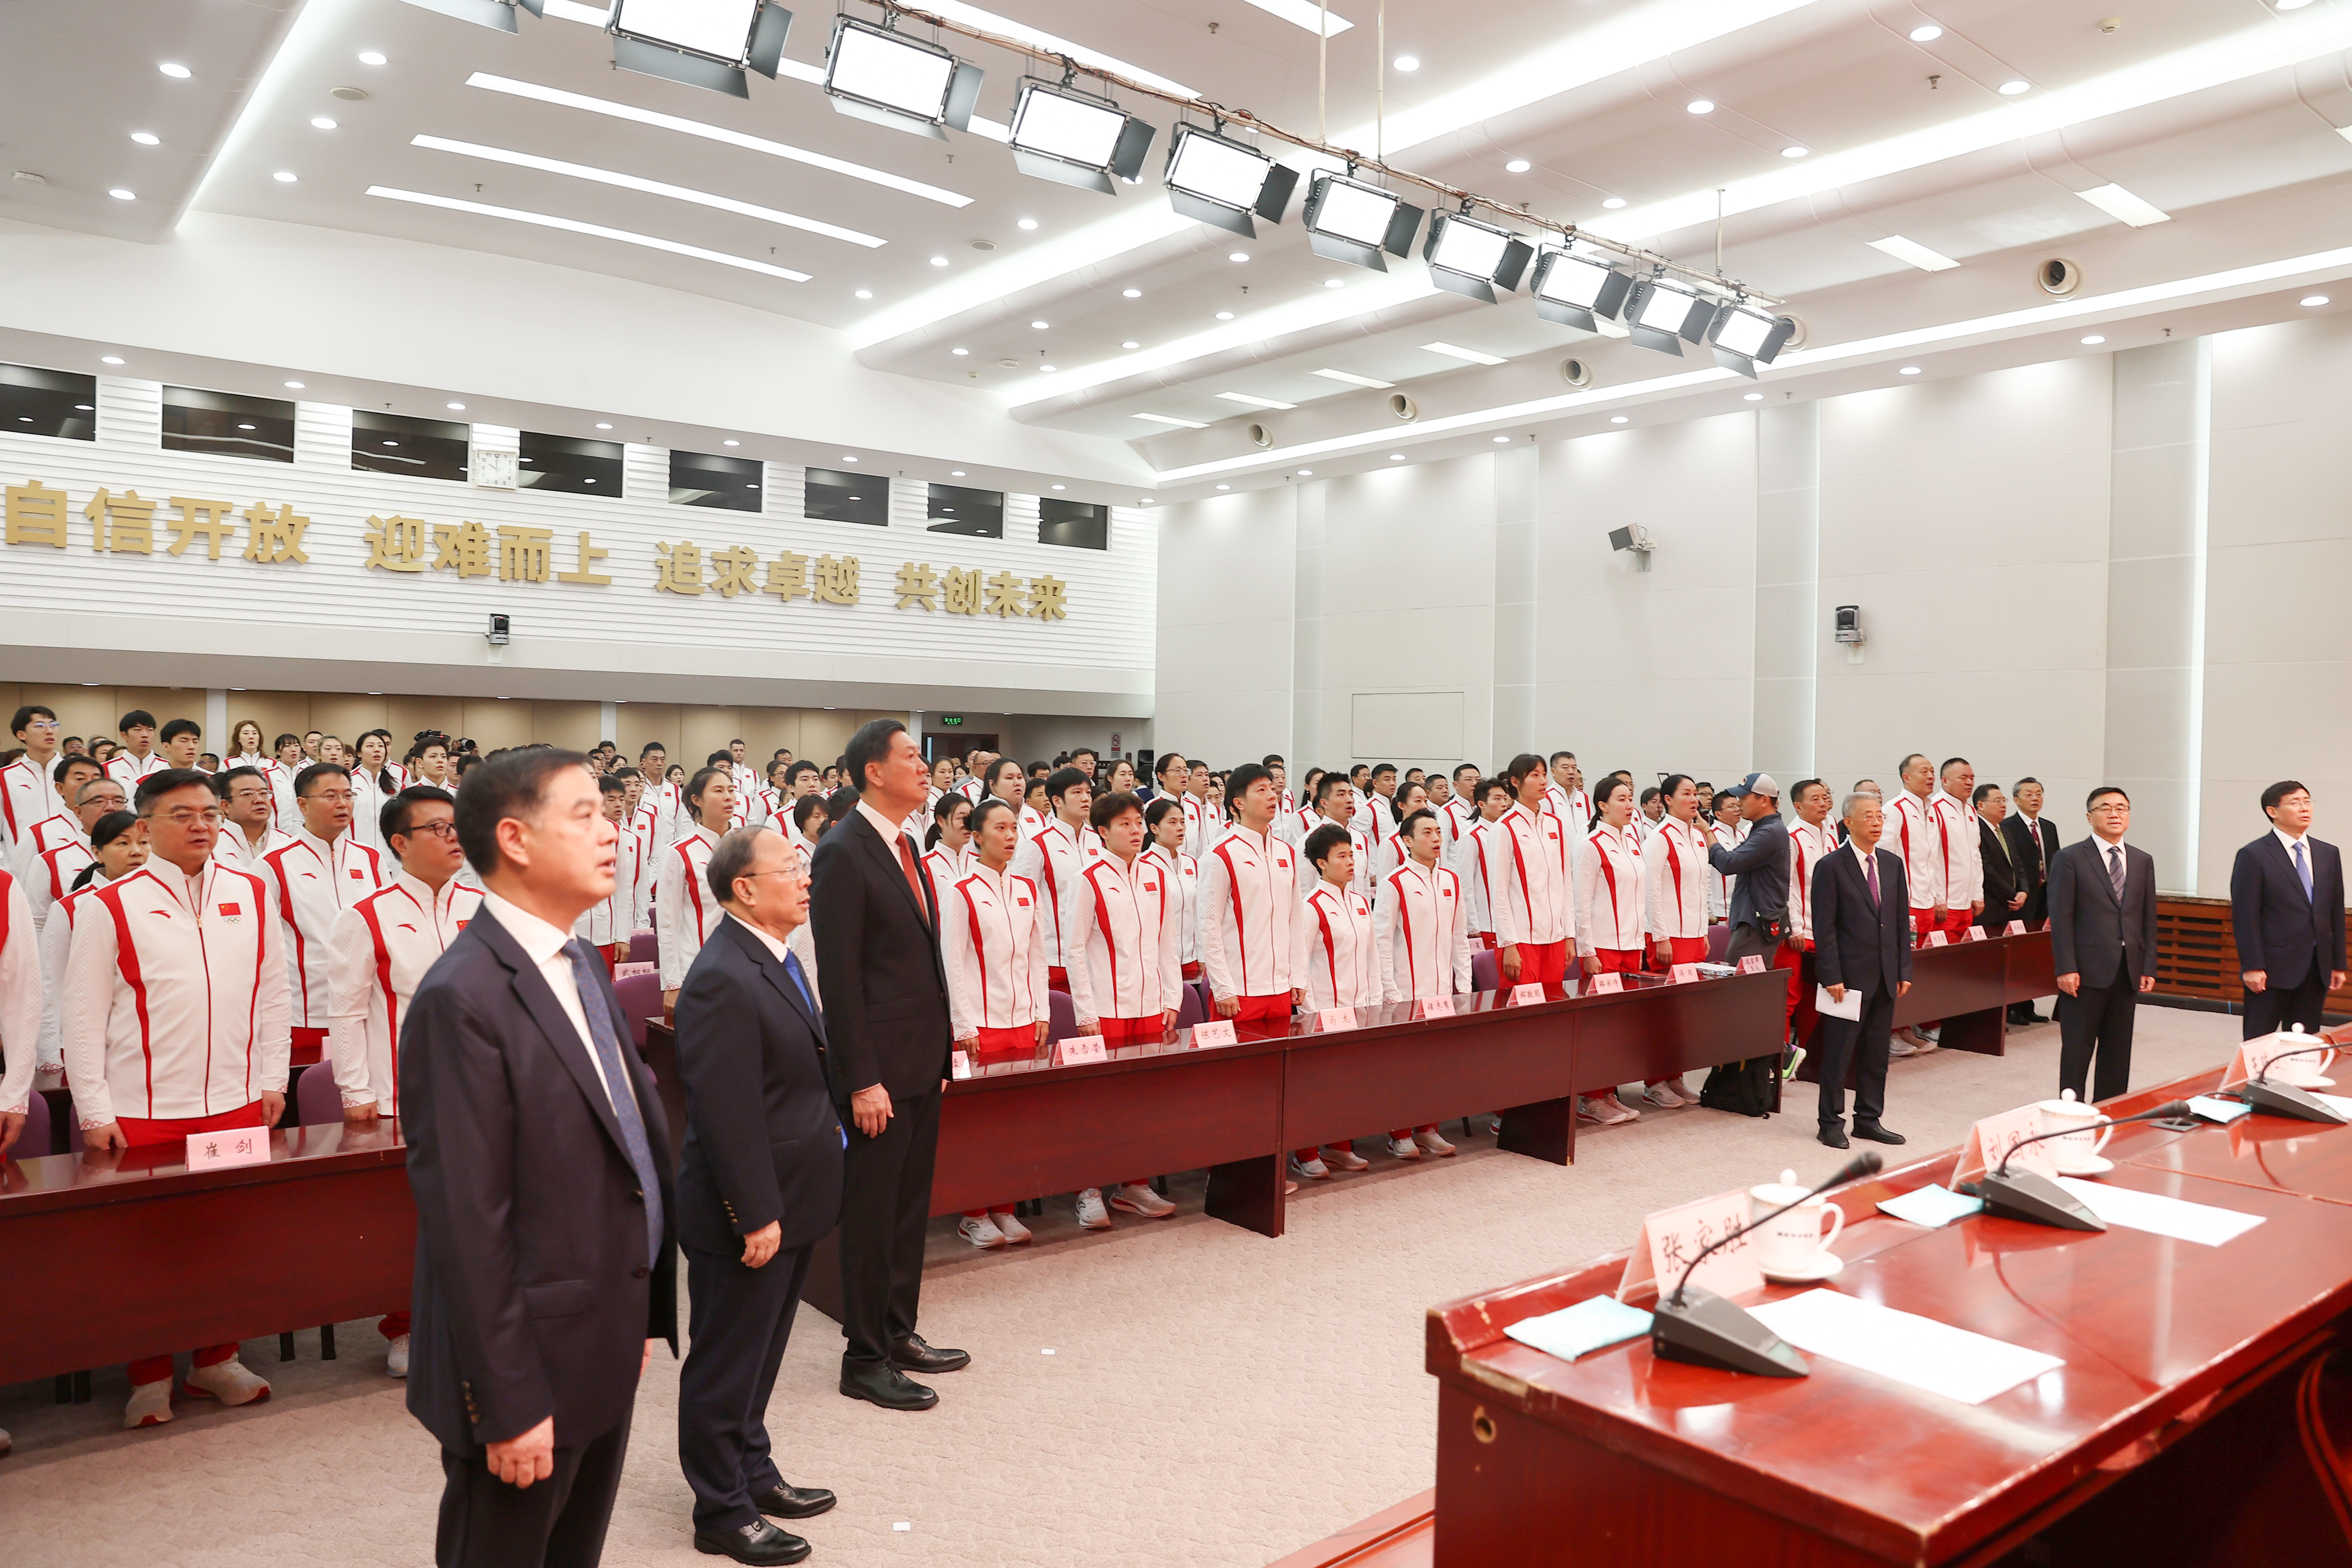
point(993, 940)
point(943, 866)
point(52, 876)
point(1808, 847)
point(1573, 807)
point(1476, 891)
point(127, 770)
point(1338, 955)
point(1458, 816)
point(1054, 859)
point(1361, 841)
point(56, 946)
point(1674, 864)
point(1125, 941)
point(612, 920)
point(1182, 889)
point(311, 882)
point(1612, 908)
point(685, 911)
point(1959, 849)
point(20, 997)
point(1531, 896)
point(1911, 833)
point(282, 814)
point(233, 849)
point(1250, 915)
point(175, 1001)
point(1204, 823)
point(1422, 933)
point(378, 951)
point(27, 796)
point(39, 837)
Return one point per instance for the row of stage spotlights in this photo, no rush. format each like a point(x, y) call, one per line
point(1062, 133)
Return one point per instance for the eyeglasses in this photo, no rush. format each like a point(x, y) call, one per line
point(445, 830)
point(210, 818)
point(332, 796)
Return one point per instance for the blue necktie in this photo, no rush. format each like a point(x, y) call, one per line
point(585, 967)
point(792, 968)
point(2303, 870)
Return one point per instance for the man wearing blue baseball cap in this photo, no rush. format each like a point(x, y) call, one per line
point(1760, 899)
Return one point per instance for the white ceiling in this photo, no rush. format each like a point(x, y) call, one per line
point(2222, 112)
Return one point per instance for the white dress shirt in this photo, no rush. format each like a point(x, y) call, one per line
point(544, 945)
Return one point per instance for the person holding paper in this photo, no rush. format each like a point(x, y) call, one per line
point(1125, 952)
point(992, 940)
point(2102, 944)
point(1339, 962)
point(2287, 909)
point(1862, 957)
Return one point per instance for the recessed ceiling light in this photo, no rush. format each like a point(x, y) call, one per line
point(1130, 293)
point(1046, 370)
point(294, 387)
point(245, 427)
point(1502, 440)
point(1220, 487)
point(2094, 340)
point(1025, 223)
point(1752, 396)
point(730, 443)
point(371, 58)
point(939, 262)
point(1793, 151)
point(175, 71)
point(1454, 352)
point(1613, 203)
point(1171, 419)
point(1518, 166)
point(110, 359)
point(1908, 370)
point(1407, 63)
point(1927, 35)
point(1617, 419)
point(2012, 87)
point(959, 352)
point(955, 473)
point(1224, 315)
point(1039, 325)
point(1306, 473)
point(1916, 254)
point(119, 195)
point(600, 424)
point(1335, 282)
point(321, 122)
point(1353, 379)
point(1701, 106)
point(460, 408)
point(1061, 487)
point(1130, 344)
point(1238, 255)
point(1396, 456)
point(146, 137)
point(284, 176)
point(2312, 301)
point(865, 293)
point(847, 458)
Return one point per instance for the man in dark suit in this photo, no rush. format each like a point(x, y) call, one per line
point(2286, 908)
point(540, 1163)
point(2103, 945)
point(875, 923)
point(757, 1185)
point(2033, 844)
point(1861, 943)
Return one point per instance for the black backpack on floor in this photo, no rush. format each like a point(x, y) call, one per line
point(1744, 1088)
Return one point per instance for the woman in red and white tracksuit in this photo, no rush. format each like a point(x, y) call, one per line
point(377, 953)
point(947, 844)
point(1124, 961)
point(1250, 910)
point(120, 845)
point(1164, 822)
point(992, 940)
point(1530, 897)
point(1613, 912)
point(175, 1022)
point(1338, 963)
point(686, 912)
point(1422, 928)
point(1676, 872)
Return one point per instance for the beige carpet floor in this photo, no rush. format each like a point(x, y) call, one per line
point(1174, 1389)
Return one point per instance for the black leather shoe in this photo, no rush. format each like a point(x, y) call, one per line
point(887, 1388)
point(913, 1355)
point(757, 1542)
point(1833, 1134)
point(1875, 1134)
point(790, 1502)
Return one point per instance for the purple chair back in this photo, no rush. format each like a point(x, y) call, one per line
point(1190, 1012)
point(315, 1097)
point(640, 997)
point(644, 947)
point(1065, 1016)
point(1718, 942)
point(1486, 971)
point(1200, 990)
point(34, 1141)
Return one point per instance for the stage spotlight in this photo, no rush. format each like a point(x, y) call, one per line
point(1664, 316)
point(892, 80)
point(1221, 182)
point(1745, 338)
point(1348, 220)
point(1060, 133)
point(1579, 291)
point(1472, 258)
point(701, 42)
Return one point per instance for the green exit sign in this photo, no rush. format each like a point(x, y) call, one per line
point(951, 719)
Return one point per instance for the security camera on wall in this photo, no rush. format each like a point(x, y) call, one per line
point(501, 631)
point(1633, 537)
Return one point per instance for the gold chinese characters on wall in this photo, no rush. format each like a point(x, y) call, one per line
point(125, 523)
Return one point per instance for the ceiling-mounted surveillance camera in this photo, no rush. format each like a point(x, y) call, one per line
point(1637, 539)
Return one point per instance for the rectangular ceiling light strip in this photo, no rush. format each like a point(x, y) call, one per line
point(1254, 401)
point(650, 187)
point(595, 230)
point(1171, 419)
point(1916, 254)
point(1304, 13)
point(2125, 207)
point(557, 96)
point(1454, 352)
point(1352, 380)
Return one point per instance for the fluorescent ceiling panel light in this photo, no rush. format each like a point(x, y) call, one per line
point(1171, 419)
point(899, 81)
point(1353, 380)
point(1047, 44)
point(1254, 401)
point(715, 134)
point(1916, 254)
point(1077, 139)
point(1304, 13)
point(1473, 355)
point(2121, 204)
point(595, 230)
point(651, 187)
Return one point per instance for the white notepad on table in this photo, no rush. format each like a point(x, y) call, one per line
point(1903, 1346)
point(2160, 1215)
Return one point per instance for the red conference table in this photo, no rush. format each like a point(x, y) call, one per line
point(1969, 985)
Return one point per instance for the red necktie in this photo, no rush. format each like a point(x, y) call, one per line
point(914, 879)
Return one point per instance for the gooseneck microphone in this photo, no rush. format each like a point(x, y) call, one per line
point(2169, 1108)
point(1866, 1164)
point(2031, 1197)
point(2287, 1099)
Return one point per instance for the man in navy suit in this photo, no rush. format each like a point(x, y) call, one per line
point(539, 1159)
point(2103, 945)
point(1862, 943)
point(757, 1185)
point(2286, 908)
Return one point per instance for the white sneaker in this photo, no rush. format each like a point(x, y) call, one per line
point(1430, 1143)
point(1010, 1228)
point(1136, 1197)
point(1092, 1216)
point(980, 1230)
point(1314, 1169)
point(1605, 1109)
point(1663, 1095)
point(229, 1382)
point(397, 1363)
point(1343, 1157)
point(151, 1405)
point(1901, 1046)
point(1403, 1148)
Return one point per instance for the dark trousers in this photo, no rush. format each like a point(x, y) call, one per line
point(555, 1524)
point(884, 1206)
point(2275, 1006)
point(2097, 1019)
point(739, 1319)
point(1861, 1044)
point(1745, 939)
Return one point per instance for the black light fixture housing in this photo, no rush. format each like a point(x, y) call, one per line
point(1351, 221)
point(1078, 138)
point(1474, 258)
point(878, 74)
point(499, 13)
point(1744, 338)
point(1579, 291)
point(1216, 180)
point(738, 35)
point(1664, 316)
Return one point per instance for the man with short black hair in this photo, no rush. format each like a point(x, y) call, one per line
point(51, 875)
point(2102, 947)
point(319, 871)
point(1251, 911)
point(2286, 908)
point(37, 836)
point(1375, 816)
point(1055, 858)
point(137, 757)
point(1204, 821)
point(1280, 772)
point(28, 792)
point(611, 921)
point(249, 806)
point(182, 741)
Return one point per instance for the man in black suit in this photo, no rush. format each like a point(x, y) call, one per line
point(1861, 943)
point(876, 923)
point(540, 1163)
point(2103, 945)
point(757, 1185)
point(2033, 844)
point(2004, 880)
point(2286, 908)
